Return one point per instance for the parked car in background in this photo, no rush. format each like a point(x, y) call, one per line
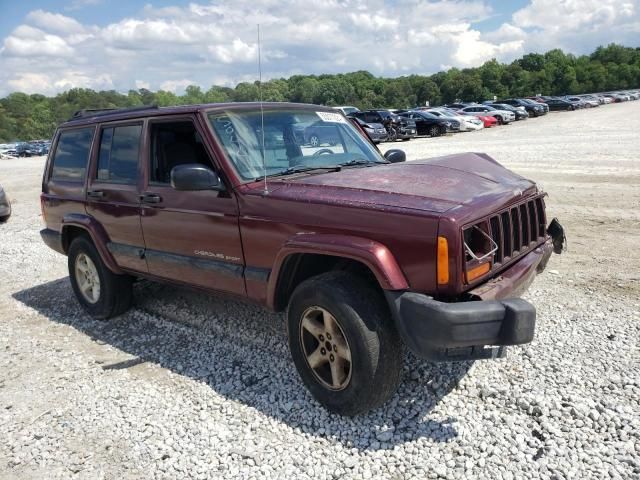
point(347, 109)
point(521, 114)
point(376, 131)
point(577, 102)
point(5, 206)
point(534, 109)
point(458, 106)
point(501, 116)
point(429, 124)
point(398, 128)
point(467, 123)
point(321, 133)
point(587, 102)
point(556, 104)
point(487, 121)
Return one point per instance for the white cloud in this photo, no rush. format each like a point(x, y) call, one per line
point(237, 51)
point(205, 43)
point(176, 86)
point(54, 22)
point(26, 41)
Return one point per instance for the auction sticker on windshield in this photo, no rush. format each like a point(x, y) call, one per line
point(331, 117)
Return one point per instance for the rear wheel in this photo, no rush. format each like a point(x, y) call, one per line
point(102, 293)
point(343, 342)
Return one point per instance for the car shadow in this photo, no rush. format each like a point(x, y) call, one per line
point(240, 351)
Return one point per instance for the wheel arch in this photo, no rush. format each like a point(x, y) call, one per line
point(309, 255)
point(74, 225)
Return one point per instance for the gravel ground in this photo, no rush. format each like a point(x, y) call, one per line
point(189, 385)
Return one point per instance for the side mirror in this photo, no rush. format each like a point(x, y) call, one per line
point(395, 155)
point(194, 176)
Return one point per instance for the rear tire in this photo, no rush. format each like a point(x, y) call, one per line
point(102, 293)
point(359, 367)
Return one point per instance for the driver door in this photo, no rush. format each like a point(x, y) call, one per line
point(191, 237)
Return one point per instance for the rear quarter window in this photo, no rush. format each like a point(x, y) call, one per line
point(72, 154)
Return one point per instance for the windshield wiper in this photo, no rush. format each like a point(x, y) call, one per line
point(360, 162)
point(302, 168)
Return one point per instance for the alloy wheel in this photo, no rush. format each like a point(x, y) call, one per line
point(87, 278)
point(325, 348)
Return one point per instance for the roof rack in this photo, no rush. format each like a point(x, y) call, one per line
point(97, 112)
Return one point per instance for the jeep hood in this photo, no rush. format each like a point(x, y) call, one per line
point(433, 185)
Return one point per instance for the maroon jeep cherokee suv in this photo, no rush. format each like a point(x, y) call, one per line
point(363, 251)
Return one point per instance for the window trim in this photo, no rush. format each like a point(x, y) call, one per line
point(102, 127)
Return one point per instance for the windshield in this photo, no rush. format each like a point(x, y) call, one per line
point(294, 140)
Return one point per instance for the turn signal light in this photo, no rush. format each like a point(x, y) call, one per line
point(443, 261)
point(478, 271)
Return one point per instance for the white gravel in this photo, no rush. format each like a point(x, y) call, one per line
point(192, 386)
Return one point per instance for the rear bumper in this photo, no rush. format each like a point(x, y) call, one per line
point(53, 240)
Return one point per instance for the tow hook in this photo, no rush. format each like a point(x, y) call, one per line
point(556, 231)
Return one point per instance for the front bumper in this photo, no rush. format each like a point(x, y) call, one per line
point(476, 329)
point(461, 331)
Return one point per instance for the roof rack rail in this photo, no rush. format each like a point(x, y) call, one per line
point(97, 112)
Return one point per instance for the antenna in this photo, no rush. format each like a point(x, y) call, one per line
point(264, 165)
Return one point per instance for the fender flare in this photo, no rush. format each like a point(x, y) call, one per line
point(98, 236)
point(374, 255)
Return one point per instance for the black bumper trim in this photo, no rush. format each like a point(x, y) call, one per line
point(460, 331)
point(53, 240)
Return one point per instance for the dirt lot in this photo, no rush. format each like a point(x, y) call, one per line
point(188, 385)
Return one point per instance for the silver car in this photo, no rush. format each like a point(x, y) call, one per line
point(502, 116)
point(5, 206)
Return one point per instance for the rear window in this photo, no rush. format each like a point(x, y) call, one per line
point(71, 155)
point(118, 159)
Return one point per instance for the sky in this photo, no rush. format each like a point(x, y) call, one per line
point(48, 46)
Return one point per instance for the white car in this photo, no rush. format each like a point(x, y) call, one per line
point(347, 109)
point(466, 123)
point(502, 116)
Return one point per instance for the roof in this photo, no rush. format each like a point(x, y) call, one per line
point(91, 116)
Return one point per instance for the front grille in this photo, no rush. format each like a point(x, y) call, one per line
point(517, 229)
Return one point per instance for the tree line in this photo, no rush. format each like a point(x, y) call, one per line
point(27, 117)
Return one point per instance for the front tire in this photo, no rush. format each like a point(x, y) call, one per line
point(102, 293)
point(434, 131)
point(343, 343)
point(499, 119)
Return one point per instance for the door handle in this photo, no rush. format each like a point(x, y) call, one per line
point(95, 194)
point(150, 198)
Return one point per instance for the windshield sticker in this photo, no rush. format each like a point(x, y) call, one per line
point(331, 117)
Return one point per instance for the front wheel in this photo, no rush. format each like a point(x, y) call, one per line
point(102, 293)
point(434, 131)
point(343, 342)
point(499, 120)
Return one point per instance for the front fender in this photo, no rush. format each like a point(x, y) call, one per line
point(97, 233)
point(376, 256)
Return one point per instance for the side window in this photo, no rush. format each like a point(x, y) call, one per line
point(71, 155)
point(118, 158)
point(172, 144)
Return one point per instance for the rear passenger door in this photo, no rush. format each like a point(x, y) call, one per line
point(113, 193)
point(191, 236)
